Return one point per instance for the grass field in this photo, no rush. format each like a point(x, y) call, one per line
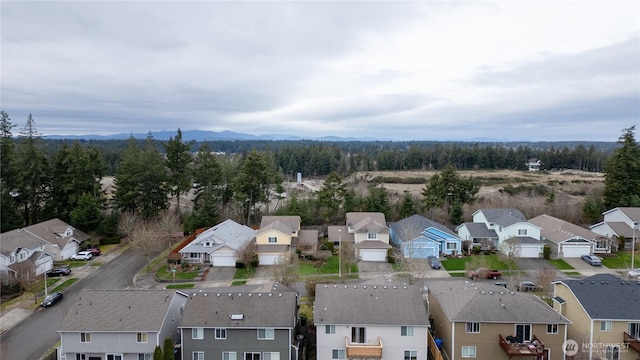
point(493, 261)
point(560, 264)
point(621, 260)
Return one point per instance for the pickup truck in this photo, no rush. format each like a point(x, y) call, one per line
point(484, 273)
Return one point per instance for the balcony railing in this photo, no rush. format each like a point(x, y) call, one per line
point(533, 348)
point(631, 341)
point(363, 351)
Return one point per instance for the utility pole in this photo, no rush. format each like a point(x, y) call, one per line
point(340, 253)
point(633, 243)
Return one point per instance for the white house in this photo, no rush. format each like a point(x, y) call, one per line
point(23, 255)
point(218, 245)
point(620, 222)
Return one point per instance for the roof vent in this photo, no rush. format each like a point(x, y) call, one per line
point(218, 294)
point(364, 287)
point(236, 316)
point(375, 287)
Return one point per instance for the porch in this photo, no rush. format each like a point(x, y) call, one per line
point(533, 349)
point(363, 351)
point(631, 341)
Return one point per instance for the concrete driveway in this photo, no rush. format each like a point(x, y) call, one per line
point(220, 274)
point(374, 267)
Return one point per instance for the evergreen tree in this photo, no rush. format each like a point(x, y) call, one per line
point(622, 173)
point(157, 353)
point(9, 216)
point(378, 201)
point(331, 196)
point(407, 206)
point(87, 214)
point(447, 189)
point(7, 151)
point(250, 183)
point(168, 349)
point(178, 161)
point(207, 175)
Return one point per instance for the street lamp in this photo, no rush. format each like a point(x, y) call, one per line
point(340, 253)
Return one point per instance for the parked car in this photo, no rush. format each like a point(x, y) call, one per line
point(64, 271)
point(502, 284)
point(634, 273)
point(592, 260)
point(434, 262)
point(51, 299)
point(82, 255)
point(484, 273)
point(94, 251)
point(525, 286)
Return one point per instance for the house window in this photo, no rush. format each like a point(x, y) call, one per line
point(468, 351)
point(144, 356)
point(229, 355)
point(329, 329)
point(221, 333)
point(198, 355)
point(194, 255)
point(271, 356)
point(197, 333)
point(406, 331)
point(251, 356)
point(358, 335)
point(273, 239)
point(372, 236)
point(85, 337)
point(266, 334)
point(338, 354)
point(452, 246)
point(21, 256)
point(522, 232)
point(81, 357)
point(605, 325)
point(523, 331)
point(552, 328)
point(634, 329)
point(115, 357)
point(141, 337)
point(411, 355)
point(12, 259)
point(472, 327)
point(612, 352)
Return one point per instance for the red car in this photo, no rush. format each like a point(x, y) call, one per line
point(94, 251)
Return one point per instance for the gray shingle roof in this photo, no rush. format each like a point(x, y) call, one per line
point(18, 238)
point(369, 305)
point(354, 218)
point(480, 231)
point(340, 233)
point(214, 309)
point(119, 310)
point(504, 217)
point(227, 233)
point(558, 230)
point(52, 231)
point(292, 221)
point(524, 240)
point(278, 226)
point(482, 301)
point(410, 228)
point(605, 296)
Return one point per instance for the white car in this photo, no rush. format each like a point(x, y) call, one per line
point(634, 273)
point(82, 255)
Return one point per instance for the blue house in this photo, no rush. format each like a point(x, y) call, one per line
point(419, 237)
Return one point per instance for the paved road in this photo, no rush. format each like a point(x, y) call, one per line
point(35, 335)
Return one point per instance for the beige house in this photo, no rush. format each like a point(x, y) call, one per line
point(568, 240)
point(370, 234)
point(605, 315)
point(275, 237)
point(484, 321)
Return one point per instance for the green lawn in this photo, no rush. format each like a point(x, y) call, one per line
point(65, 284)
point(330, 266)
point(180, 286)
point(621, 260)
point(560, 264)
point(493, 261)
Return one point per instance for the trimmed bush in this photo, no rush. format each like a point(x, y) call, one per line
point(546, 252)
point(110, 240)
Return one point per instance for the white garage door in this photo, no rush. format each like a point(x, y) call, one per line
point(69, 251)
point(575, 251)
point(529, 251)
point(268, 259)
point(224, 260)
point(373, 255)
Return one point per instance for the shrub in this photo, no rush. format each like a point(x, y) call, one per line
point(546, 252)
point(110, 240)
point(240, 265)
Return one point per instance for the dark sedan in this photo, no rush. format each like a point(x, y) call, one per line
point(59, 272)
point(528, 286)
point(51, 299)
point(434, 262)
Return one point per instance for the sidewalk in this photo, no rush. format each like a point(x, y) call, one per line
point(21, 308)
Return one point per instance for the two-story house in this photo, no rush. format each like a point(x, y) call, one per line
point(419, 237)
point(239, 326)
point(275, 238)
point(620, 222)
point(370, 322)
point(23, 256)
point(513, 233)
point(218, 245)
point(62, 240)
point(567, 240)
point(120, 324)
point(370, 234)
point(605, 315)
point(484, 321)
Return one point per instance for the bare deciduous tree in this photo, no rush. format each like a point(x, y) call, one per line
point(144, 239)
point(511, 250)
point(415, 268)
point(286, 270)
point(544, 278)
point(246, 254)
point(127, 223)
point(168, 224)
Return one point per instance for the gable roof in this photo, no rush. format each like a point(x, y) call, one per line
point(18, 238)
point(607, 297)
point(369, 305)
point(53, 232)
point(632, 213)
point(214, 309)
point(412, 227)
point(479, 230)
point(558, 230)
point(119, 310)
point(292, 221)
point(354, 218)
point(505, 217)
point(471, 301)
point(340, 233)
point(278, 226)
point(227, 233)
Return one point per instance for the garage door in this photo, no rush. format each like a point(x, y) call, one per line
point(575, 251)
point(530, 251)
point(224, 260)
point(268, 259)
point(373, 255)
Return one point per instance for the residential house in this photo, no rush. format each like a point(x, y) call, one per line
point(63, 240)
point(120, 324)
point(236, 325)
point(620, 222)
point(419, 237)
point(219, 245)
point(275, 238)
point(370, 234)
point(567, 240)
point(484, 321)
point(23, 256)
point(534, 165)
point(370, 322)
point(508, 224)
point(605, 315)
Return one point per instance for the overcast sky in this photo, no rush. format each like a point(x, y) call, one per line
point(428, 70)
